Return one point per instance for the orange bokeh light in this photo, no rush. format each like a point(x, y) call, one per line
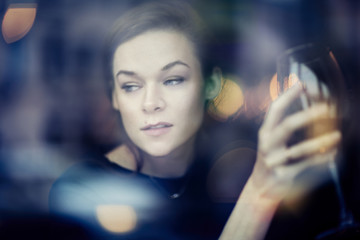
point(274, 88)
point(17, 21)
point(228, 102)
point(116, 218)
point(293, 79)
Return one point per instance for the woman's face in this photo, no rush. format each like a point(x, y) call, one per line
point(158, 90)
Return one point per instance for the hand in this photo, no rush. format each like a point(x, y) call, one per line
point(277, 163)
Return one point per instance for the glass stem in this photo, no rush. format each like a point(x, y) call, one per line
point(345, 216)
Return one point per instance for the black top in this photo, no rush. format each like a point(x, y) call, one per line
point(179, 208)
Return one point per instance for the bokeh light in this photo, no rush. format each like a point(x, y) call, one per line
point(17, 21)
point(116, 218)
point(290, 81)
point(274, 87)
point(229, 173)
point(228, 102)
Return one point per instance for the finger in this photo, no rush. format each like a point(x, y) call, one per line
point(276, 158)
point(316, 145)
point(302, 119)
point(305, 149)
point(291, 171)
point(279, 106)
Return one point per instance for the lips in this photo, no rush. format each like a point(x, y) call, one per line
point(157, 129)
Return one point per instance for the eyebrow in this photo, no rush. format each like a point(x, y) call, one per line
point(172, 64)
point(128, 73)
point(166, 67)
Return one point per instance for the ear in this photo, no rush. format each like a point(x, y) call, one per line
point(213, 84)
point(114, 100)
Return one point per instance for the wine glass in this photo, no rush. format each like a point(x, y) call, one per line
point(317, 70)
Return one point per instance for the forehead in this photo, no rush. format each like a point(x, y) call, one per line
point(154, 49)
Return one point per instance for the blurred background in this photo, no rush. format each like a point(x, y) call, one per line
point(54, 110)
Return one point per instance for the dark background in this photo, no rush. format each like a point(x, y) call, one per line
point(54, 110)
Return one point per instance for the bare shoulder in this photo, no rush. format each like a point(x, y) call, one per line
point(123, 157)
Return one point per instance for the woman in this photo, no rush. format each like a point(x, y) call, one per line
point(155, 182)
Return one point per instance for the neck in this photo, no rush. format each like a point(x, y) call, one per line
point(173, 165)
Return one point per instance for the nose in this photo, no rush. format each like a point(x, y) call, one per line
point(153, 101)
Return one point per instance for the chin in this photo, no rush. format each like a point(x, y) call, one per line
point(160, 150)
point(157, 152)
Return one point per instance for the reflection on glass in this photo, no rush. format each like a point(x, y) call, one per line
point(226, 178)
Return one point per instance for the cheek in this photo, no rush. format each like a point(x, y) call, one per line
point(196, 98)
point(193, 104)
point(127, 113)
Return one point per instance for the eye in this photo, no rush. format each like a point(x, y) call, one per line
point(174, 81)
point(130, 87)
